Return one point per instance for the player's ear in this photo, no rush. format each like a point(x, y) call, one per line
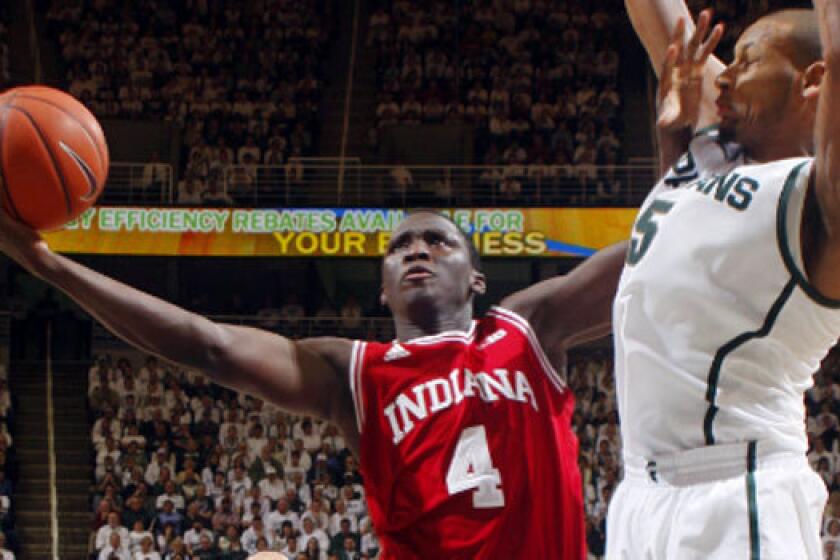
point(812, 78)
point(478, 283)
point(383, 299)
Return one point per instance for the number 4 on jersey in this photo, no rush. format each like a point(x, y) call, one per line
point(472, 468)
point(646, 227)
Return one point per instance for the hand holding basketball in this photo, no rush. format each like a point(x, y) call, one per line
point(53, 157)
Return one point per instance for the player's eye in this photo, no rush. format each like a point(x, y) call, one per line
point(399, 243)
point(435, 239)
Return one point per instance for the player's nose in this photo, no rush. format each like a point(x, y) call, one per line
point(418, 250)
point(724, 80)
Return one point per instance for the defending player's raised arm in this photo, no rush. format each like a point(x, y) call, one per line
point(302, 377)
point(679, 96)
point(655, 22)
point(574, 308)
point(823, 259)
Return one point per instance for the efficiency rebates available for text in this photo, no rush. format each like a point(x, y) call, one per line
point(323, 231)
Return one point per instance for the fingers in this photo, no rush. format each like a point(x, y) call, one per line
point(665, 77)
point(699, 32)
point(698, 49)
point(677, 44)
point(712, 42)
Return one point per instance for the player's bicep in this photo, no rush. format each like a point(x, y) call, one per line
point(574, 308)
point(302, 377)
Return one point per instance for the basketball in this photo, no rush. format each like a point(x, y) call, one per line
point(53, 156)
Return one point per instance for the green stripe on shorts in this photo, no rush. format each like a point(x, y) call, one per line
point(752, 504)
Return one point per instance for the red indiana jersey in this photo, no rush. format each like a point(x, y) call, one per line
point(467, 450)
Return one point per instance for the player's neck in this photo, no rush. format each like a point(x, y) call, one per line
point(427, 323)
point(779, 144)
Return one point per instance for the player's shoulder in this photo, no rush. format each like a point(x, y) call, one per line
point(513, 311)
point(335, 350)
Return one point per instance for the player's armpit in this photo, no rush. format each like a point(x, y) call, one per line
point(575, 308)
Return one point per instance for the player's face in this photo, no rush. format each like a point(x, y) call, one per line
point(756, 89)
point(428, 262)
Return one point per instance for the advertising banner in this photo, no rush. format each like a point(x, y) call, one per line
point(331, 232)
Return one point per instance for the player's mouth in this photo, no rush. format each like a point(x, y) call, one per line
point(417, 273)
point(725, 110)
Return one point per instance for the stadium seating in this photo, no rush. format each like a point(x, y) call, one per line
point(242, 85)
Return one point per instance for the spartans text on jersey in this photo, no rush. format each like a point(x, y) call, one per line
point(439, 394)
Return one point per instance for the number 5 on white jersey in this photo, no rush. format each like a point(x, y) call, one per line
point(472, 468)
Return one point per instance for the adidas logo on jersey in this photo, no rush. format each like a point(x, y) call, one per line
point(396, 352)
point(493, 339)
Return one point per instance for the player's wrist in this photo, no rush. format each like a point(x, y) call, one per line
point(38, 258)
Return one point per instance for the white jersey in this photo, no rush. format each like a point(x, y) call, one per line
point(717, 331)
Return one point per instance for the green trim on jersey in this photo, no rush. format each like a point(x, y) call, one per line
point(713, 131)
point(731, 346)
point(752, 503)
point(706, 130)
point(784, 243)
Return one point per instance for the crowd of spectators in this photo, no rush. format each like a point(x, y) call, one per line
point(241, 80)
point(536, 79)
point(185, 469)
point(822, 402)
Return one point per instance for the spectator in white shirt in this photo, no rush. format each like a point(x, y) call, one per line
point(192, 537)
point(240, 484)
point(341, 514)
point(103, 535)
point(317, 513)
point(283, 513)
point(251, 535)
point(159, 461)
point(256, 441)
point(115, 549)
point(255, 497)
point(170, 494)
point(137, 535)
point(146, 551)
point(272, 486)
point(309, 530)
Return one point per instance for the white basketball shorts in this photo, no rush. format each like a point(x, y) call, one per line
point(722, 502)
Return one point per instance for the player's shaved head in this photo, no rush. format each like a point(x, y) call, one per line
point(801, 33)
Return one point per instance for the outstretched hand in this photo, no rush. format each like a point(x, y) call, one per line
point(681, 80)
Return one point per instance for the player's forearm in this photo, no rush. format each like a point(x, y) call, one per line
point(654, 22)
point(140, 319)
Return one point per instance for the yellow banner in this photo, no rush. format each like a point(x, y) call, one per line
point(331, 232)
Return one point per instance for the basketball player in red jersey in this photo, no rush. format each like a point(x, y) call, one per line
point(462, 426)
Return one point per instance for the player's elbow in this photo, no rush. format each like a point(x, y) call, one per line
point(213, 355)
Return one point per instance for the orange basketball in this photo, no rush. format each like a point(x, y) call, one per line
point(53, 156)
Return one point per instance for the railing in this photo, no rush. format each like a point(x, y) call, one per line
point(299, 184)
point(139, 183)
point(366, 328)
point(302, 183)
